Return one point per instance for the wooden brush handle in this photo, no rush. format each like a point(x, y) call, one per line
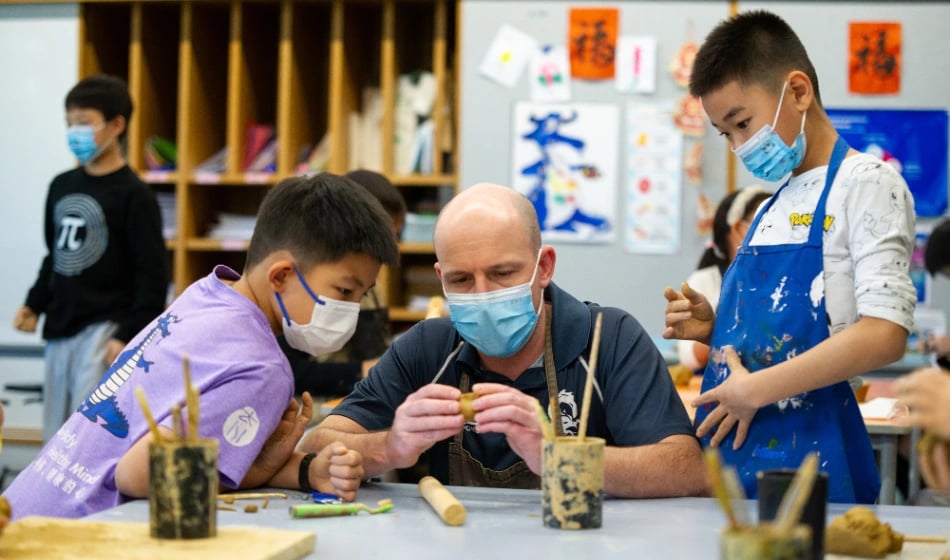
point(449, 509)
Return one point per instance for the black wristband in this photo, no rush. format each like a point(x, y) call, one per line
point(303, 475)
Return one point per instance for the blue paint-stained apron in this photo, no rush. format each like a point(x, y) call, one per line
point(773, 310)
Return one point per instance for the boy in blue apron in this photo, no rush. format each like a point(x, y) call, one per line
point(819, 291)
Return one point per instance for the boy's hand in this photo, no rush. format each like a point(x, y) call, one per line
point(337, 470)
point(689, 316)
point(25, 320)
point(935, 466)
point(113, 348)
point(280, 445)
point(733, 410)
point(926, 394)
point(426, 417)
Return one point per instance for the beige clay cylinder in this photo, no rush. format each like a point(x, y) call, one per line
point(572, 482)
point(449, 509)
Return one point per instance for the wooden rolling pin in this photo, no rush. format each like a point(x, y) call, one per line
point(442, 501)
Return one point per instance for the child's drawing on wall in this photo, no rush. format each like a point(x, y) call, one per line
point(565, 159)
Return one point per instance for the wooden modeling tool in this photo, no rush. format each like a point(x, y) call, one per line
point(790, 509)
point(719, 487)
point(589, 383)
point(152, 426)
point(448, 508)
point(191, 401)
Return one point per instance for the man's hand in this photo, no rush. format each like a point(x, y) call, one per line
point(926, 394)
point(113, 348)
point(506, 410)
point(280, 445)
point(689, 316)
point(337, 470)
point(733, 410)
point(426, 417)
point(25, 320)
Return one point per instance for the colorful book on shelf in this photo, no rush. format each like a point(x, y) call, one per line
point(257, 139)
point(318, 159)
point(266, 160)
point(214, 165)
point(160, 154)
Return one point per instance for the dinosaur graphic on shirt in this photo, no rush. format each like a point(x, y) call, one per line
point(100, 406)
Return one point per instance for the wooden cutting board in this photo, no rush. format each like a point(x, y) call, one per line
point(67, 539)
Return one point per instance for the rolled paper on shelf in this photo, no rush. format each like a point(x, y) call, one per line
point(449, 509)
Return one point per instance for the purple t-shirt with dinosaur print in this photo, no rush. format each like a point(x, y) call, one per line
point(243, 378)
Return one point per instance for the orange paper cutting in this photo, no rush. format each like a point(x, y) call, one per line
point(874, 57)
point(592, 39)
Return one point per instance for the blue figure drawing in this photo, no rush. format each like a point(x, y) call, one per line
point(555, 177)
point(101, 403)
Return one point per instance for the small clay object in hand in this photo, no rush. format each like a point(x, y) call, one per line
point(465, 403)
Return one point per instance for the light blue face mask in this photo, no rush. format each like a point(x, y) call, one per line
point(497, 323)
point(766, 156)
point(82, 142)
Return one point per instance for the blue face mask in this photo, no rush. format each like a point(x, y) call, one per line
point(82, 142)
point(766, 156)
point(497, 323)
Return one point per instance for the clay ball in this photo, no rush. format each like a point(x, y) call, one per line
point(465, 403)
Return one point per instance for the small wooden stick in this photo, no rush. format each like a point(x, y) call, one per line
point(152, 426)
point(266, 502)
point(252, 496)
point(918, 538)
point(191, 401)
point(589, 383)
point(793, 502)
point(176, 420)
point(226, 508)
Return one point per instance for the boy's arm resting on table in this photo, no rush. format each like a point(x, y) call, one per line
point(132, 470)
point(669, 468)
point(371, 445)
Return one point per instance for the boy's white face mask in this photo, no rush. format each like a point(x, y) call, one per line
point(331, 325)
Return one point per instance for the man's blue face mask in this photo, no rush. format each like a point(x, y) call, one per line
point(766, 156)
point(497, 323)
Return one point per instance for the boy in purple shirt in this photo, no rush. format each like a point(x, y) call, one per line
point(316, 250)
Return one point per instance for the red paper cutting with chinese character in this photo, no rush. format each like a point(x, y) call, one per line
point(874, 59)
point(592, 40)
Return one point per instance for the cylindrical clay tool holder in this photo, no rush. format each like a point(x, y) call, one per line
point(183, 489)
point(572, 482)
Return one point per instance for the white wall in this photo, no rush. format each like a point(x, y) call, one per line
point(39, 47)
point(605, 273)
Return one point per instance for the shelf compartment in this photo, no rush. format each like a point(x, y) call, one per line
point(104, 31)
point(203, 82)
point(252, 75)
point(153, 77)
point(355, 31)
point(303, 81)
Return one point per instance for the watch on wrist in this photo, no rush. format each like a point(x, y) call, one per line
point(303, 475)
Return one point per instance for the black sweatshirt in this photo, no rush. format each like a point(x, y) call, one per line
point(107, 258)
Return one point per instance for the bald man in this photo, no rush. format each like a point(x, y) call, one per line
point(496, 276)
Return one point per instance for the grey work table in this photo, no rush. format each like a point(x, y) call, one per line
point(507, 524)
